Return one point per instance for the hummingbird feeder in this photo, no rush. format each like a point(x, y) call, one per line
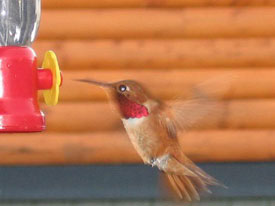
point(20, 78)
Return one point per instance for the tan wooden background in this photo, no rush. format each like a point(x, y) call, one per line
point(170, 46)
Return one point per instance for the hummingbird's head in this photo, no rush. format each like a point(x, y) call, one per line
point(129, 95)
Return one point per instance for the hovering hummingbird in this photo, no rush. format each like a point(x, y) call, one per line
point(153, 126)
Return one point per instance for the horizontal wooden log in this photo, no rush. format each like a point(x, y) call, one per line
point(81, 117)
point(161, 53)
point(86, 117)
point(52, 4)
point(59, 148)
point(169, 84)
point(144, 23)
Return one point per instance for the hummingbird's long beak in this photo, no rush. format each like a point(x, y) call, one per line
point(89, 81)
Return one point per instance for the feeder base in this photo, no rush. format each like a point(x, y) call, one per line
point(22, 123)
point(19, 109)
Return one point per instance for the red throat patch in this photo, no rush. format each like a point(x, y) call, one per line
point(131, 109)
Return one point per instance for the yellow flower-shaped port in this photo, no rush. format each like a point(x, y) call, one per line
point(50, 62)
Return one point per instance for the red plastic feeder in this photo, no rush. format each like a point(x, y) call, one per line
point(20, 78)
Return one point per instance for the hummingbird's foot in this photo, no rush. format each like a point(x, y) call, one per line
point(160, 162)
point(153, 162)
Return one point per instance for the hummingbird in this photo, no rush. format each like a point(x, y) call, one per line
point(153, 126)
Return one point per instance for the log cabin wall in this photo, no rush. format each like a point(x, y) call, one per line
point(169, 46)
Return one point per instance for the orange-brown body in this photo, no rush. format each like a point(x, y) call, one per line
point(152, 127)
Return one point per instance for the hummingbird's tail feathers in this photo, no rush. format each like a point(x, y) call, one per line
point(187, 186)
point(184, 187)
point(206, 178)
point(171, 165)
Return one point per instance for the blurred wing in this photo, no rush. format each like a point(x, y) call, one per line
point(181, 115)
point(185, 114)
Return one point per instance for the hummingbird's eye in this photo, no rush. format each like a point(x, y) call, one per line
point(122, 88)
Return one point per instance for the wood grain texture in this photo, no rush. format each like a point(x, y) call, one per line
point(52, 4)
point(86, 117)
point(170, 46)
point(161, 53)
point(173, 83)
point(158, 23)
point(55, 148)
